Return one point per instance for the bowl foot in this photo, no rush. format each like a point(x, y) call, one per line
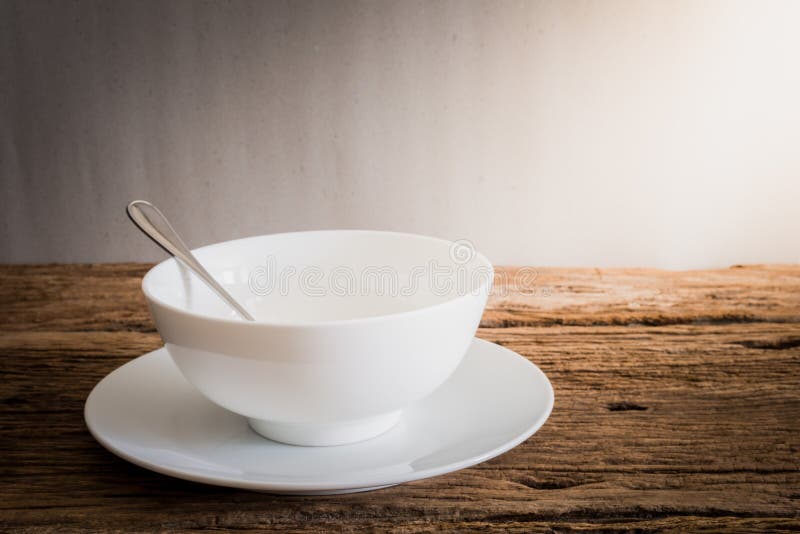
point(326, 434)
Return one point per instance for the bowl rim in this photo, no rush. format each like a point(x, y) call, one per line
point(482, 289)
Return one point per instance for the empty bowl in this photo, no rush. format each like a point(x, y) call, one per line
point(351, 326)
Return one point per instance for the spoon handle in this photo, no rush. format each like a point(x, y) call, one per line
point(152, 222)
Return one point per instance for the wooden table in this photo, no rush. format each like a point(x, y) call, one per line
point(677, 407)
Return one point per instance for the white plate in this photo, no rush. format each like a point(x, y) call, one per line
point(146, 413)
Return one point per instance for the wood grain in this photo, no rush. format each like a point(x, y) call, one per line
point(677, 408)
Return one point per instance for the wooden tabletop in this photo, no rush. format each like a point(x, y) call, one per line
point(677, 407)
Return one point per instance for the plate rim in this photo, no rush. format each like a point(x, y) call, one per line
point(327, 486)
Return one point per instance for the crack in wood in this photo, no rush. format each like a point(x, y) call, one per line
point(650, 320)
point(771, 344)
point(625, 406)
point(552, 484)
point(637, 513)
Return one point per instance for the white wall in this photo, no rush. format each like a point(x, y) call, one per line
point(549, 133)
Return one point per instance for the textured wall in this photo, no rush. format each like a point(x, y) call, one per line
point(561, 133)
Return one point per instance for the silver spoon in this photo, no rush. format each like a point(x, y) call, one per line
point(152, 222)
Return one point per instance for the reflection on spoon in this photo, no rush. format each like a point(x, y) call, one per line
point(152, 222)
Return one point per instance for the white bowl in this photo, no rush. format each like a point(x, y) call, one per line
point(351, 327)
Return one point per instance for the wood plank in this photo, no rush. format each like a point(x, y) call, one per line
point(73, 297)
point(108, 297)
point(529, 296)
